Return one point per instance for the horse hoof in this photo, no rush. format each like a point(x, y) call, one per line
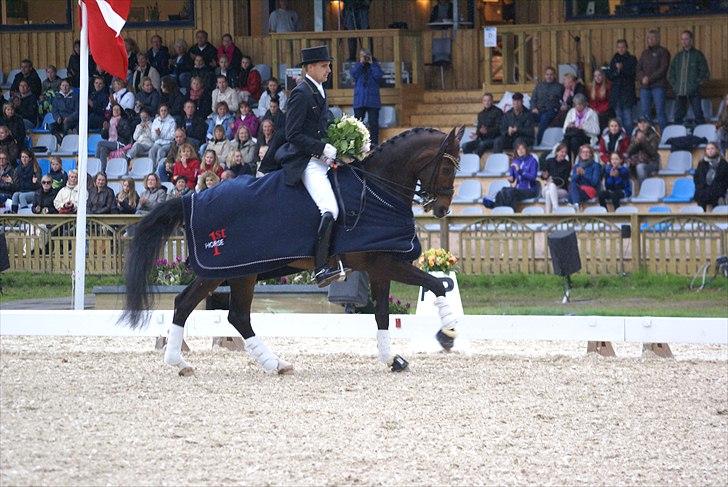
point(445, 341)
point(399, 364)
point(186, 372)
point(284, 368)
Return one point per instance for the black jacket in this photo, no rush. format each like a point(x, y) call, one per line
point(208, 53)
point(524, 124)
point(623, 81)
point(195, 128)
point(269, 162)
point(175, 100)
point(279, 121)
point(28, 108)
point(17, 128)
point(36, 87)
point(11, 147)
point(44, 200)
point(560, 171)
point(720, 183)
point(179, 65)
point(24, 178)
point(100, 202)
point(7, 188)
point(160, 60)
point(490, 119)
point(306, 123)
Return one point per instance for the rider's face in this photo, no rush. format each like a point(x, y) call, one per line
point(319, 71)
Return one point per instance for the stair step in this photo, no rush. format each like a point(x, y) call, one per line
point(446, 120)
point(441, 108)
point(452, 96)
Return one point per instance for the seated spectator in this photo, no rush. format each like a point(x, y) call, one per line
point(613, 139)
point(101, 73)
point(194, 125)
point(522, 176)
point(101, 199)
point(275, 115)
point(142, 138)
point(211, 162)
point(711, 178)
point(572, 87)
point(52, 81)
point(57, 174)
point(181, 64)
point(722, 126)
point(272, 91)
point(207, 180)
point(617, 182)
point(120, 96)
point(165, 171)
point(144, 70)
point(26, 180)
point(224, 93)
point(224, 69)
point(148, 96)
point(246, 118)
point(170, 154)
point(599, 94)
point(44, 197)
point(97, 100)
point(14, 123)
point(585, 176)
point(265, 149)
point(132, 51)
point(154, 194)
point(8, 144)
point(27, 73)
point(26, 105)
point(200, 96)
point(172, 97)
point(180, 188)
point(244, 144)
point(73, 66)
point(227, 174)
point(7, 181)
point(555, 176)
point(158, 55)
point(66, 200)
point(65, 111)
point(204, 72)
point(516, 124)
point(118, 134)
point(545, 101)
point(163, 129)
point(581, 126)
point(221, 118)
point(642, 154)
point(187, 165)
point(127, 200)
point(232, 54)
point(203, 49)
point(488, 128)
point(249, 82)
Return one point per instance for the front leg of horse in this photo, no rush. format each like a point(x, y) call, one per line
point(380, 293)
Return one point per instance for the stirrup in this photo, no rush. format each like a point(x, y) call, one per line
point(328, 275)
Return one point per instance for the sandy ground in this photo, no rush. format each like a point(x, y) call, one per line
point(106, 411)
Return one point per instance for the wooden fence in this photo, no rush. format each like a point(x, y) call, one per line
point(666, 244)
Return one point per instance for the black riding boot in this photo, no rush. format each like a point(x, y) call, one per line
point(324, 274)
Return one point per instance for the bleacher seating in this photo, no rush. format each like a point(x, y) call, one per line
point(469, 211)
point(45, 165)
point(93, 166)
point(69, 146)
point(495, 165)
point(659, 209)
point(565, 210)
point(595, 210)
point(720, 210)
point(692, 209)
point(502, 210)
point(469, 165)
point(706, 130)
point(62, 73)
point(496, 186)
point(551, 137)
point(168, 185)
point(468, 192)
point(68, 164)
point(683, 191)
point(533, 210)
point(48, 141)
point(652, 190)
point(387, 116)
point(115, 186)
point(10, 78)
point(627, 210)
point(678, 162)
point(141, 167)
point(45, 124)
point(670, 132)
point(466, 136)
point(116, 168)
point(93, 141)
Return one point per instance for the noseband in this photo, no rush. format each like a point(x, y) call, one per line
point(430, 193)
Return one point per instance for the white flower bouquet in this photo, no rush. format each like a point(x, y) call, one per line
point(350, 137)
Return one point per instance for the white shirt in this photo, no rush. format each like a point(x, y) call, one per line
point(318, 85)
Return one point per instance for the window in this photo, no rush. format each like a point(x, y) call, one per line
point(35, 15)
point(590, 9)
point(162, 13)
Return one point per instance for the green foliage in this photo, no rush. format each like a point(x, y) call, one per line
point(349, 136)
point(171, 273)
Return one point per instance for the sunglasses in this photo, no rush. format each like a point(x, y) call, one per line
point(45, 182)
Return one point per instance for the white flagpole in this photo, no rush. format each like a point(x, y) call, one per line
point(79, 277)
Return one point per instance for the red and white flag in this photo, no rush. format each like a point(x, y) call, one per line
point(106, 18)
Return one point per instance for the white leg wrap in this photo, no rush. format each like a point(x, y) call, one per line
point(261, 354)
point(447, 319)
point(173, 352)
point(385, 354)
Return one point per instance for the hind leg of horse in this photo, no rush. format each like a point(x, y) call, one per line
point(380, 294)
point(241, 299)
point(184, 304)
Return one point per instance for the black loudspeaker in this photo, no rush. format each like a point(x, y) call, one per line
point(564, 250)
point(626, 231)
point(4, 260)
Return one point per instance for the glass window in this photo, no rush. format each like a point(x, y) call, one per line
point(589, 9)
point(161, 12)
point(35, 14)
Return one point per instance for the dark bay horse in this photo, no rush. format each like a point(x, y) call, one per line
point(427, 156)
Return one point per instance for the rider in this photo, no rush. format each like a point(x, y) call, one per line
point(307, 158)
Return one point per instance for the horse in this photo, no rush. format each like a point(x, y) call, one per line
point(427, 156)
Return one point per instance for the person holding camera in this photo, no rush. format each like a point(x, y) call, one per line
point(367, 73)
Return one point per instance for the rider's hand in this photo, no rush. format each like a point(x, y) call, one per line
point(329, 151)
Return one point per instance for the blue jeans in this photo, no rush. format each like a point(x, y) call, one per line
point(655, 94)
point(544, 119)
point(624, 115)
point(576, 195)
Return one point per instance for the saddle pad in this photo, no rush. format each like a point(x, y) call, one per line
point(256, 226)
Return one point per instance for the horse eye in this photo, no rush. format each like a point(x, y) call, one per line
point(447, 170)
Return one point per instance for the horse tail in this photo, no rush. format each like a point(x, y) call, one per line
point(149, 235)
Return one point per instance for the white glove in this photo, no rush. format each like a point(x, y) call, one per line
point(329, 151)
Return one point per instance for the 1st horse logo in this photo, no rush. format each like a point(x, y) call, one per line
point(217, 240)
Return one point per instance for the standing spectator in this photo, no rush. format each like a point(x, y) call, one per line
point(132, 51)
point(282, 20)
point(221, 118)
point(148, 96)
point(65, 111)
point(172, 97)
point(43, 198)
point(14, 123)
point(652, 74)
point(187, 165)
point(617, 183)
point(488, 128)
point(158, 55)
point(27, 73)
point(52, 81)
point(599, 97)
point(688, 71)
point(516, 124)
point(522, 176)
point(117, 133)
point(356, 17)
point(722, 126)
point(442, 11)
point(7, 180)
point(224, 93)
point(193, 124)
point(180, 188)
point(268, 143)
point(200, 96)
point(97, 100)
point(229, 50)
point(555, 175)
point(585, 177)
point(367, 73)
point(101, 200)
point(204, 49)
point(224, 69)
point(127, 200)
point(642, 155)
point(249, 82)
point(204, 72)
point(27, 180)
point(244, 144)
point(711, 177)
point(181, 64)
point(73, 67)
point(58, 176)
point(66, 200)
point(162, 134)
point(572, 87)
point(613, 139)
point(144, 70)
point(247, 119)
point(622, 72)
point(275, 115)
point(121, 96)
point(8, 144)
point(581, 126)
point(26, 105)
point(546, 101)
point(154, 194)
point(274, 90)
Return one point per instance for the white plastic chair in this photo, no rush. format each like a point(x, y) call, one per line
point(670, 132)
point(533, 210)
point(387, 116)
point(496, 186)
point(336, 111)
point(595, 210)
point(116, 168)
point(706, 130)
point(564, 210)
point(93, 166)
point(652, 190)
point(41, 74)
point(115, 186)
point(264, 70)
point(678, 163)
point(466, 136)
point(468, 211)
point(69, 146)
point(62, 73)
point(469, 191)
point(720, 210)
point(502, 210)
point(168, 185)
point(49, 141)
point(692, 209)
point(495, 165)
point(141, 167)
point(469, 165)
point(11, 77)
point(551, 137)
point(627, 210)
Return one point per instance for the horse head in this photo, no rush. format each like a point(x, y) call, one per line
point(442, 168)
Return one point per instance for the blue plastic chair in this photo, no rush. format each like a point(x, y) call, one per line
point(45, 166)
point(659, 226)
point(93, 141)
point(68, 164)
point(45, 125)
point(682, 192)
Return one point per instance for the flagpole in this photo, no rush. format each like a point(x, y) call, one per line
point(80, 268)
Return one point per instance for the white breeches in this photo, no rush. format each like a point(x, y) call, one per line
point(552, 194)
point(318, 186)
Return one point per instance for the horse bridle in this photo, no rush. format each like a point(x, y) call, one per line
point(430, 194)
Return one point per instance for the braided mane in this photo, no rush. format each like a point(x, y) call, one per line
point(387, 146)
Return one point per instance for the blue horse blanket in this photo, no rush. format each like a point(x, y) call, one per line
point(257, 226)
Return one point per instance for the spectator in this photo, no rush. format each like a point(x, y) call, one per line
point(200, 96)
point(572, 87)
point(57, 174)
point(275, 115)
point(165, 171)
point(282, 19)
point(367, 73)
point(181, 64)
point(26, 105)
point(249, 82)
point(66, 200)
point(585, 176)
point(555, 175)
point(227, 174)
point(722, 126)
point(7, 181)
point(224, 93)
point(622, 73)
point(617, 183)
point(172, 97)
point(52, 81)
point(117, 133)
point(599, 97)
point(652, 74)
point(148, 96)
point(142, 138)
point(442, 11)
point(187, 165)
point(711, 178)
point(144, 70)
point(162, 134)
point(268, 143)
point(194, 125)
point(211, 162)
point(97, 100)
point(545, 101)
point(613, 139)
point(8, 144)
point(273, 91)
point(516, 124)
point(522, 176)
point(180, 137)
point(127, 200)
point(73, 67)
point(219, 144)
point(100, 73)
point(26, 180)
point(488, 128)
point(204, 72)
point(207, 180)
point(230, 51)
point(581, 126)
point(132, 51)
point(43, 198)
point(121, 96)
point(14, 123)
point(642, 155)
point(65, 111)
point(180, 188)
point(688, 71)
point(247, 119)
point(224, 69)
point(244, 144)
point(158, 55)
point(27, 73)
point(154, 194)
point(356, 17)
point(204, 49)
point(223, 118)
point(101, 199)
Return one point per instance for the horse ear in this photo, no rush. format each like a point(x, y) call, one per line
point(460, 132)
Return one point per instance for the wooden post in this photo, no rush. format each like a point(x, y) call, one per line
point(605, 349)
point(507, 57)
point(234, 344)
point(397, 62)
point(660, 349)
point(634, 221)
point(521, 49)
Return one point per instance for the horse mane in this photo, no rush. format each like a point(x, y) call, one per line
point(386, 147)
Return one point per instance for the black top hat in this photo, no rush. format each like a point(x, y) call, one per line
point(315, 54)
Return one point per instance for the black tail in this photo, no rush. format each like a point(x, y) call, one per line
point(149, 236)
